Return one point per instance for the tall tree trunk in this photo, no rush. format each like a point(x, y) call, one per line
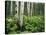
point(28, 8)
point(17, 9)
point(31, 8)
point(21, 13)
point(11, 8)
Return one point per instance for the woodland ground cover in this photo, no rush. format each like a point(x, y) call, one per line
point(30, 24)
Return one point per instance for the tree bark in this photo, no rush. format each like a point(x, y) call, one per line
point(21, 13)
point(11, 8)
point(31, 8)
point(28, 8)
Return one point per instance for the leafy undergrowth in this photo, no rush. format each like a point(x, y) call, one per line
point(30, 24)
point(34, 23)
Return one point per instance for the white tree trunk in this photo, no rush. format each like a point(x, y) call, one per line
point(28, 8)
point(21, 13)
point(11, 8)
point(17, 9)
point(31, 8)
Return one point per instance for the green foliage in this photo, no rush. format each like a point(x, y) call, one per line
point(30, 24)
point(34, 23)
point(11, 24)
